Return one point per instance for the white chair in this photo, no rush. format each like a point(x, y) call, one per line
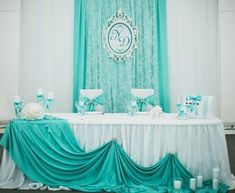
point(200, 107)
point(143, 98)
point(92, 100)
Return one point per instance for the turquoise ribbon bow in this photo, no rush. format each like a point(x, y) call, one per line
point(40, 98)
point(49, 104)
point(194, 99)
point(192, 105)
point(92, 103)
point(143, 102)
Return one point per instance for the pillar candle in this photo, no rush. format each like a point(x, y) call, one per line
point(192, 184)
point(178, 99)
point(177, 184)
point(199, 181)
point(216, 173)
point(215, 183)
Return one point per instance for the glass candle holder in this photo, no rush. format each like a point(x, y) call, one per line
point(132, 107)
point(50, 105)
point(80, 106)
point(41, 100)
point(17, 106)
point(181, 114)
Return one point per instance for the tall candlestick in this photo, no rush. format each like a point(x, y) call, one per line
point(199, 181)
point(50, 95)
point(215, 173)
point(178, 99)
point(192, 183)
point(17, 99)
point(40, 91)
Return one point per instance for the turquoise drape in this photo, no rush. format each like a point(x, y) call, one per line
point(46, 151)
point(80, 48)
point(147, 68)
point(162, 56)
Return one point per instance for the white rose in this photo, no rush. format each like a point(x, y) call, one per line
point(33, 111)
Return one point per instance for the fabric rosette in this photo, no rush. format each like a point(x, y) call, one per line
point(33, 111)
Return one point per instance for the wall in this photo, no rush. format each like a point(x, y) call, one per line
point(192, 31)
point(9, 55)
point(227, 50)
point(47, 51)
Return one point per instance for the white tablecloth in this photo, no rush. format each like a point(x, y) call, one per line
point(199, 144)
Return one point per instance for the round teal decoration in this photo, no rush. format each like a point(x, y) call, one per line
point(120, 37)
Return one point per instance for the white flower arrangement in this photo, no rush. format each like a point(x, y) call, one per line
point(33, 111)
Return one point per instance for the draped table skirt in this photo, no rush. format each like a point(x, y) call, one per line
point(199, 144)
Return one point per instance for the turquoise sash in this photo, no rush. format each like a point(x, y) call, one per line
point(92, 103)
point(142, 103)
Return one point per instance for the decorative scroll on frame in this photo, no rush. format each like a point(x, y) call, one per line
point(120, 36)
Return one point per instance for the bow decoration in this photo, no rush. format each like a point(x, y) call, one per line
point(143, 102)
point(92, 103)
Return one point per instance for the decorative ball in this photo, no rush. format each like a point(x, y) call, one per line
point(33, 111)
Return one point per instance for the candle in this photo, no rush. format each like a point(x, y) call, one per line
point(50, 95)
point(177, 184)
point(215, 183)
point(215, 173)
point(199, 181)
point(17, 99)
point(178, 99)
point(192, 183)
point(40, 91)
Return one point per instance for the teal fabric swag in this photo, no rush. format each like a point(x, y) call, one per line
point(46, 151)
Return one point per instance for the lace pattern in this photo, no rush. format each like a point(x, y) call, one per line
point(139, 71)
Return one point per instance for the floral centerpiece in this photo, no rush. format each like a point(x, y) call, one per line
point(33, 111)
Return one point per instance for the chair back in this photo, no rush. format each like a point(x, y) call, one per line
point(143, 98)
point(201, 107)
point(92, 100)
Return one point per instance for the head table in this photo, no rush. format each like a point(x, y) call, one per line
point(199, 144)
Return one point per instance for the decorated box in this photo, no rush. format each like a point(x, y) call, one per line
point(202, 107)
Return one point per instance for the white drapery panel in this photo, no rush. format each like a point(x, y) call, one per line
point(47, 50)
point(192, 27)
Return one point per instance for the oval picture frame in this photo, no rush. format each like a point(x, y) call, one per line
point(120, 36)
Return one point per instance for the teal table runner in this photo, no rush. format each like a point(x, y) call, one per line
point(46, 151)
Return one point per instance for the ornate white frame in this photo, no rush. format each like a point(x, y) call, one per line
point(119, 21)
